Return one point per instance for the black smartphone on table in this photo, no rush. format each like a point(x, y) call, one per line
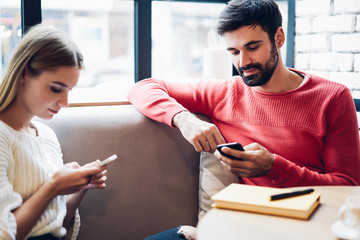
point(234, 145)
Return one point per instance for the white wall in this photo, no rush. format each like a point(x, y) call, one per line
point(327, 40)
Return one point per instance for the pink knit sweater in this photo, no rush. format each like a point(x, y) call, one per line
point(312, 130)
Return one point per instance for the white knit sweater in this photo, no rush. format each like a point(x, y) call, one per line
point(26, 162)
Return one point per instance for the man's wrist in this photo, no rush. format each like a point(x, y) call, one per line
point(179, 118)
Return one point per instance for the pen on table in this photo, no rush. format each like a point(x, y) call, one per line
point(290, 194)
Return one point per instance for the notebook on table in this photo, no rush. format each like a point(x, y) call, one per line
point(257, 199)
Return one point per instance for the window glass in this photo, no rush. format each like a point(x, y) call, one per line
point(181, 34)
point(10, 30)
point(104, 32)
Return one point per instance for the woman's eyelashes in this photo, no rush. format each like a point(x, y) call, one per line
point(57, 89)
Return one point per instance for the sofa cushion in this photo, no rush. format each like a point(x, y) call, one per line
point(213, 177)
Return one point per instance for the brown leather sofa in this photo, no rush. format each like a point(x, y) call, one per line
point(151, 187)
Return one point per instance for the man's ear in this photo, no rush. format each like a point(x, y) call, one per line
point(279, 37)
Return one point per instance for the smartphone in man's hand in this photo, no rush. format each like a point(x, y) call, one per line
point(234, 145)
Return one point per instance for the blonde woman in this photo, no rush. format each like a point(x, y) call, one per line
point(39, 195)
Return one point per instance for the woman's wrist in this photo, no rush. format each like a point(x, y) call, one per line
point(50, 188)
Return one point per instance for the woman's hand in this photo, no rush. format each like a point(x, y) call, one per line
point(98, 180)
point(94, 177)
point(72, 178)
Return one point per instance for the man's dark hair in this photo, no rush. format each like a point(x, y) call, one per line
point(240, 13)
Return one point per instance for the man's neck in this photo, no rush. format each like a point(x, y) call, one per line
point(283, 80)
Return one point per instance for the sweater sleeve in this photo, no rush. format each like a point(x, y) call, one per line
point(341, 156)
point(161, 101)
point(9, 200)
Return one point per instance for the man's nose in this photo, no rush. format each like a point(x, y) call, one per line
point(243, 59)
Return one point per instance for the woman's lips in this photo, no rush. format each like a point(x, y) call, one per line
point(53, 111)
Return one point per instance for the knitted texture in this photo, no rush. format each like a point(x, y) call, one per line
point(312, 130)
point(26, 162)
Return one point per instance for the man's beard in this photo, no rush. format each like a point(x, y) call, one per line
point(264, 72)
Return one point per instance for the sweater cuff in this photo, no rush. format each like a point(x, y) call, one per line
point(278, 169)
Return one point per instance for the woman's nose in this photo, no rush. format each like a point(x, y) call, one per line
point(63, 101)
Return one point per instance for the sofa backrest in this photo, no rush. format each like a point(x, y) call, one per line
point(151, 187)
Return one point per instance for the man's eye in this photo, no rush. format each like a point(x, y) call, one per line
point(234, 53)
point(253, 48)
point(56, 89)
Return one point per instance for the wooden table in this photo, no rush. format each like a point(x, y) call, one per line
point(220, 224)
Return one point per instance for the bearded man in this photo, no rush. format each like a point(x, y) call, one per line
point(297, 129)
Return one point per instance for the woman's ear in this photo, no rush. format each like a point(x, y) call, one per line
point(24, 75)
point(279, 37)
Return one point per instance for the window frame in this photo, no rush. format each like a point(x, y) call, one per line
point(31, 15)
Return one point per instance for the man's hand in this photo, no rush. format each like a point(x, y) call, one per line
point(204, 136)
point(256, 160)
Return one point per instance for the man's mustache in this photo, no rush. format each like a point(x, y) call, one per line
point(249, 66)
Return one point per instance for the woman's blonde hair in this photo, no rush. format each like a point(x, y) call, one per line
point(43, 48)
